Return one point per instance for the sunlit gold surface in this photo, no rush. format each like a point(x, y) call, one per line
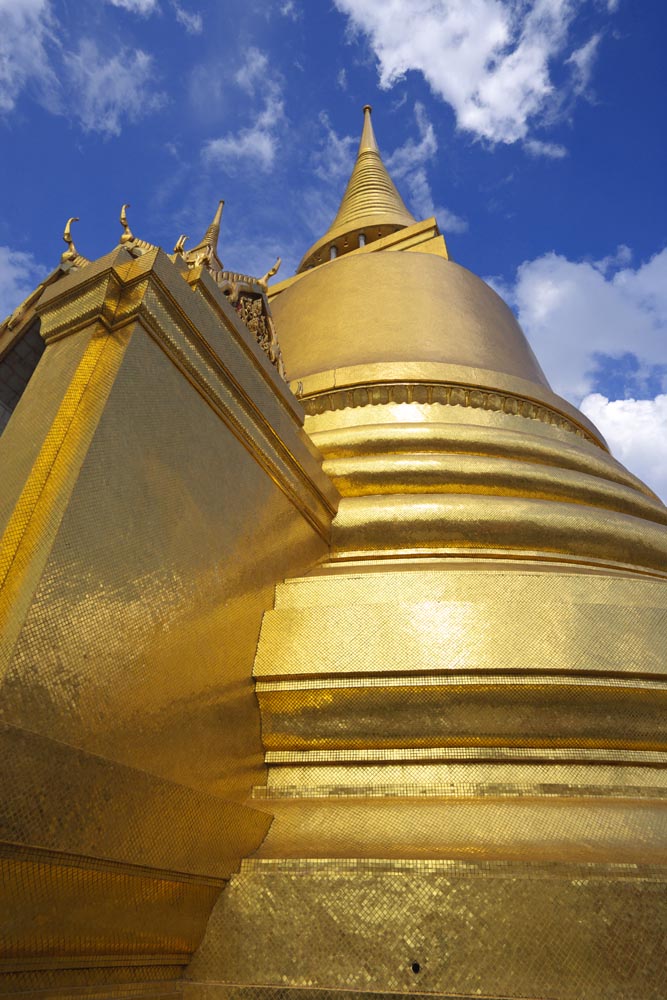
point(463, 709)
point(426, 721)
point(494, 929)
point(136, 572)
point(410, 307)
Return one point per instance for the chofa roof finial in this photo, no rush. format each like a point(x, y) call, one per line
point(128, 236)
point(71, 253)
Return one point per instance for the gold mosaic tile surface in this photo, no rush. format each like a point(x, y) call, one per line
point(497, 930)
point(136, 571)
point(165, 826)
point(466, 768)
point(58, 912)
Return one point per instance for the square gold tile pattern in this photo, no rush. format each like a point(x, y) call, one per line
point(157, 486)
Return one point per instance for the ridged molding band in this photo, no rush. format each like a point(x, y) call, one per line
point(447, 394)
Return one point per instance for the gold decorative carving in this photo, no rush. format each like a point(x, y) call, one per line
point(246, 293)
point(254, 313)
point(445, 394)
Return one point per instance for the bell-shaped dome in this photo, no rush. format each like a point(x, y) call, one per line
point(438, 426)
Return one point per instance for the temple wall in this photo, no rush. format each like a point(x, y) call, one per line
point(157, 487)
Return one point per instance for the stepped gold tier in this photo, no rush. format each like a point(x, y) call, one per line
point(352, 686)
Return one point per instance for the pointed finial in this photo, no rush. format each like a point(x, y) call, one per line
point(368, 140)
point(127, 236)
point(371, 206)
point(71, 252)
point(180, 244)
point(205, 254)
point(212, 234)
point(264, 281)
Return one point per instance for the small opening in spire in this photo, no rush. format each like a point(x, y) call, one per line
point(362, 240)
point(332, 252)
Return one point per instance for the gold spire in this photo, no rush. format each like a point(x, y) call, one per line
point(209, 244)
point(212, 234)
point(371, 206)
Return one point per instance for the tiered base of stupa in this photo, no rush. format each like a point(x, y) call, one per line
point(467, 785)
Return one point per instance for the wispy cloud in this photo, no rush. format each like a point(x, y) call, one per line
point(253, 72)
point(108, 91)
point(192, 22)
point(144, 8)
point(490, 60)
point(551, 150)
point(289, 8)
point(582, 62)
point(255, 145)
point(19, 273)
point(79, 82)
point(620, 258)
point(407, 164)
point(333, 158)
point(28, 34)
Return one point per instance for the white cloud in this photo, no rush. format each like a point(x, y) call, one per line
point(575, 312)
point(193, 23)
point(19, 274)
point(341, 78)
point(256, 144)
point(289, 9)
point(407, 164)
point(107, 91)
point(636, 431)
point(26, 36)
point(552, 150)
point(144, 8)
point(599, 329)
point(331, 161)
point(491, 60)
point(621, 257)
point(582, 60)
point(99, 92)
point(253, 70)
point(334, 160)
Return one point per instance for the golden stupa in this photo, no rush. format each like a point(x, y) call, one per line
point(348, 686)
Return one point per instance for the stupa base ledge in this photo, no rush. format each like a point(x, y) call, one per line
point(380, 927)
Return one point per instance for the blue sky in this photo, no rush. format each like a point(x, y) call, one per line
point(533, 129)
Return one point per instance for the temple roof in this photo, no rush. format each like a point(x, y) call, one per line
point(371, 205)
